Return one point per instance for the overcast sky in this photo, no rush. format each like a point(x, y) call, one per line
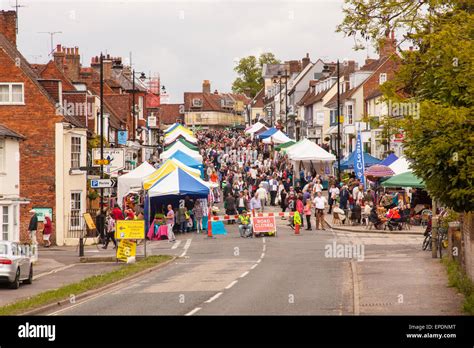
point(185, 41)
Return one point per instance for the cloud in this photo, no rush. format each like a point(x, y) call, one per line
point(185, 41)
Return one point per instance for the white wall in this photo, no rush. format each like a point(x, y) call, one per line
point(67, 180)
point(10, 188)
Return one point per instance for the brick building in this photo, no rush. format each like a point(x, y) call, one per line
point(54, 145)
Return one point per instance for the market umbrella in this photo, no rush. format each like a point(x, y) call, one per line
point(407, 179)
point(378, 171)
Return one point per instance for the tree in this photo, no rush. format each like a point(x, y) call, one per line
point(249, 69)
point(438, 78)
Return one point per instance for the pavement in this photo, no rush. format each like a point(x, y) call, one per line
point(331, 272)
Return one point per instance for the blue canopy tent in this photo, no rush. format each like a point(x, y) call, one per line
point(389, 160)
point(348, 162)
point(268, 133)
point(171, 189)
point(189, 161)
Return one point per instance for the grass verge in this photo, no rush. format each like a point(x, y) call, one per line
point(459, 280)
point(82, 286)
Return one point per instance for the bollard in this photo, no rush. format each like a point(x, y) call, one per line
point(81, 247)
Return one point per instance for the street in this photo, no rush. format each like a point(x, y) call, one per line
point(284, 275)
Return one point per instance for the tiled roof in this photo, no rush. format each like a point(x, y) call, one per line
point(270, 70)
point(14, 54)
point(119, 104)
point(7, 132)
point(343, 96)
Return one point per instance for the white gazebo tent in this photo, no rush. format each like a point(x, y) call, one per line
point(308, 154)
point(277, 138)
point(132, 181)
point(176, 134)
point(401, 165)
point(256, 128)
point(180, 146)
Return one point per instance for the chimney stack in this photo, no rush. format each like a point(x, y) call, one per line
point(72, 63)
point(388, 45)
point(8, 25)
point(59, 57)
point(206, 86)
point(305, 61)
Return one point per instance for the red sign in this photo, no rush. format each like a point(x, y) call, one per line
point(264, 224)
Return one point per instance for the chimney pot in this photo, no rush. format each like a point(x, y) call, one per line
point(206, 86)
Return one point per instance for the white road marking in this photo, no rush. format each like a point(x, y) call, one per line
point(262, 256)
point(263, 240)
point(186, 247)
point(244, 274)
point(260, 260)
point(264, 247)
point(253, 267)
point(231, 284)
point(215, 297)
point(175, 245)
point(195, 310)
point(53, 271)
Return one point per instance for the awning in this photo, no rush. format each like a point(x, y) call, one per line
point(332, 130)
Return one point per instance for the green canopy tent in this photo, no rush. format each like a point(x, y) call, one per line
point(185, 142)
point(285, 145)
point(407, 179)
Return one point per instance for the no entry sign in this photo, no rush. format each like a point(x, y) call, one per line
point(264, 224)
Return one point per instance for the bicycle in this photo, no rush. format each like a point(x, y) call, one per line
point(442, 240)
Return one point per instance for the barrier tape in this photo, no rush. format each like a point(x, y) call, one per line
point(236, 217)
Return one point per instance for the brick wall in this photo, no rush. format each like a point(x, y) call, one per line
point(8, 25)
point(36, 121)
point(372, 83)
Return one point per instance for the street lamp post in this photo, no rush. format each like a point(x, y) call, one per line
point(338, 127)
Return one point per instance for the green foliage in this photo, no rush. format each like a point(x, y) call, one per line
point(458, 279)
point(92, 195)
point(438, 77)
point(249, 69)
point(441, 142)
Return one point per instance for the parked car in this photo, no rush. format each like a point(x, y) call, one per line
point(15, 264)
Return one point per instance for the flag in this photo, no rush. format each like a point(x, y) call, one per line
point(359, 164)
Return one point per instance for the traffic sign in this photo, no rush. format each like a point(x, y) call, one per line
point(115, 156)
point(101, 162)
point(130, 229)
point(103, 183)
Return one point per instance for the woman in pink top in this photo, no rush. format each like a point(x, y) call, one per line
point(170, 223)
point(307, 211)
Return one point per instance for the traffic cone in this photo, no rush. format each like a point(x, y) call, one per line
point(209, 225)
point(297, 229)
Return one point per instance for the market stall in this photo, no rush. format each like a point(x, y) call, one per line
point(178, 134)
point(257, 127)
point(180, 146)
point(309, 155)
point(277, 138)
point(348, 162)
point(185, 142)
point(132, 181)
point(167, 167)
point(401, 165)
point(402, 180)
point(389, 159)
point(188, 161)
